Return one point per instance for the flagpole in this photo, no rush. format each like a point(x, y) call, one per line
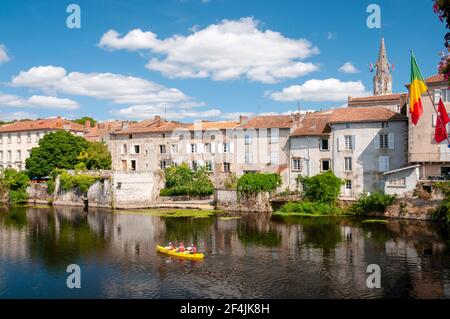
point(438, 115)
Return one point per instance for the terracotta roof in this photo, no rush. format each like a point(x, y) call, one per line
point(365, 114)
point(269, 121)
point(313, 124)
point(205, 125)
point(45, 124)
point(435, 78)
point(374, 98)
point(95, 133)
point(151, 126)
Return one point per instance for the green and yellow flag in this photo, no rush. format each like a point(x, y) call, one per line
point(417, 88)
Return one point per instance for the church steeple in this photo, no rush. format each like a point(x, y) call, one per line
point(382, 81)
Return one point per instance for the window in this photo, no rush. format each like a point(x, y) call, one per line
point(130, 136)
point(348, 139)
point(226, 147)
point(208, 147)
point(38, 137)
point(324, 144)
point(248, 139)
point(274, 157)
point(8, 158)
point(384, 140)
point(124, 149)
point(226, 167)
point(348, 184)
point(297, 164)
point(19, 138)
point(174, 148)
point(18, 156)
point(397, 182)
point(384, 124)
point(28, 137)
point(162, 149)
point(1, 156)
point(193, 148)
point(194, 165)
point(136, 149)
point(248, 158)
point(180, 137)
point(348, 125)
point(325, 165)
point(163, 164)
point(146, 152)
point(348, 164)
point(208, 165)
point(444, 94)
point(383, 163)
point(133, 165)
point(9, 139)
point(213, 137)
point(1, 139)
point(274, 135)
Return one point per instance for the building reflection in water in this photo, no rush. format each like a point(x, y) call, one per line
point(253, 256)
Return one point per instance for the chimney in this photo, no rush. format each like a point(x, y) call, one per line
point(157, 118)
point(297, 118)
point(59, 122)
point(243, 119)
point(125, 125)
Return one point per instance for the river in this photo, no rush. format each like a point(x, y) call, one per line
point(255, 256)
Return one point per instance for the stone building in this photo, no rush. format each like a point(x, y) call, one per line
point(357, 144)
point(433, 158)
point(17, 139)
point(262, 145)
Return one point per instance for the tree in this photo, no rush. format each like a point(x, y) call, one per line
point(442, 9)
point(182, 180)
point(59, 149)
point(84, 119)
point(324, 187)
point(96, 156)
point(16, 184)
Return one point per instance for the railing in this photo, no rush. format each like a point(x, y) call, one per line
point(430, 157)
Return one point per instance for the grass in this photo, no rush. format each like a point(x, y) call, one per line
point(32, 206)
point(375, 221)
point(283, 214)
point(172, 213)
point(229, 217)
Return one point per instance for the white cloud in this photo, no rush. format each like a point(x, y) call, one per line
point(3, 54)
point(47, 102)
point(105, 86)
point(320, 91)
point(348, 68)
point(223, 51)
point(7, 117)
point(173, 113)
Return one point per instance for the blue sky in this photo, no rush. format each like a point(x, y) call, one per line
point(199, 59)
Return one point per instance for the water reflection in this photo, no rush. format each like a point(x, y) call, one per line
point(256, 256)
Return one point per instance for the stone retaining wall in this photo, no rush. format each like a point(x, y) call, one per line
point(228, 200)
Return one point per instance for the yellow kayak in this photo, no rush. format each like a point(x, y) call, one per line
point(174, 253)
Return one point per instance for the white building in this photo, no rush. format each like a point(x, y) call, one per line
point(17, 139)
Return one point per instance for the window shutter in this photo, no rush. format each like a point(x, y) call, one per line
point(231, 150)
point(213, 148)
point(377, 141)
point(433, 120)
point(188, 148)
point(200, 148)
point(391, 141)
point(220, 148)
point(131, 149)
point(353, 142)
point(340, 143)
point(437, 95)
point(381, 163)
point(387, 166)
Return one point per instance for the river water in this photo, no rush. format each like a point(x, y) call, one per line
point(256, 256)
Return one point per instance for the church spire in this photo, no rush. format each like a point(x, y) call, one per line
point(382, 81)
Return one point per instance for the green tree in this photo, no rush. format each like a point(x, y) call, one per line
point(96, 156)
point(59, 149)
point(182, 180)
point(324, 187)
point(253, 183)
point(84, 119)
point(16, 184)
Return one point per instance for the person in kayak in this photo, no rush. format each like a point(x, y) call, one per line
point(181, 248)
point(193, 249)
point(171, 246)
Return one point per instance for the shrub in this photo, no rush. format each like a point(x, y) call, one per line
point(309, 208)
point(231, 182)
point(81, 181)
point(376, 202)
point(16, 183)
point(442, 213)
point(182, 181)
point(257, 182)
point(324, 187)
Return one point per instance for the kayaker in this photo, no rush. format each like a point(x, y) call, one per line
point(181, 248)
point(170, 247)
point(194, 249)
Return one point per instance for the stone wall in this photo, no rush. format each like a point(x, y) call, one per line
point(228, 200)
point(135, 189)
point(38, 193)
point(410, 208)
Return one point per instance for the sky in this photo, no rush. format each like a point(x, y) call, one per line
point(192, 60)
